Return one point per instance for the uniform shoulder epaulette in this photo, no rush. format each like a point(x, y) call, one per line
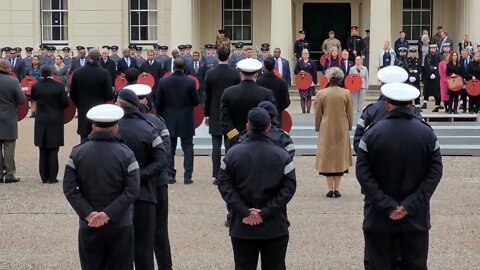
point(370, 126)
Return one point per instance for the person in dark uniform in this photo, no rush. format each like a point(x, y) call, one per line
point(453, 69)
point(51, 99)
point(366, 54)
point(257, 180)
point(238, 100)
point(188, 54)
point(177, 96)
point(432, 79)
point(143, 138)
point(50, 58)
point(163, 58)
point(217, 80)
point(414, 71)
point(126, 62)
point(109, 65)
point(237, 56)
point(377, 110)
point(162, 242)
point(198, 69)
point(91, 85)
point(101, 183)
point(474, 71)
point(401, 42)
point(114, 56)
point(28, 58)
point(152, 67)
point(276, 134)
point(67, 57)
point(355, 44)
point(210, 59)
point(278, 86)
point(138, 57)
point(401, 59)
point(308, 65)
point(399, 166)
point(300, 44)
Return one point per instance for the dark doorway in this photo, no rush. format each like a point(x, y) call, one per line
point(319, 19)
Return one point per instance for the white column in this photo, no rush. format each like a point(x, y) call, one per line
point(281, 28)
point(380, 31)
point(181, 23)
point(471, 12)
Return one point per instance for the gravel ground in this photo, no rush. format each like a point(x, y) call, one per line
point(39, 229)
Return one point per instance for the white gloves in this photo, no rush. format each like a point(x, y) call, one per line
point(432, 77)
point(412, 79)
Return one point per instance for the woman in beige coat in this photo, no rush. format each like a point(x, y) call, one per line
point(333, 121)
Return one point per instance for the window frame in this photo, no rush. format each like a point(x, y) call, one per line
point(421, 10)
point(139, 26)
point(242, 10)
point(63, 8)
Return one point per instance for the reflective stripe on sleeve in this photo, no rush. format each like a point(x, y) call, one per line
point(362, 145)
point(289, 168)
point(223, 166)
point(290, 147)
point(437, 146)
point(70, 163)
point(361, 122)
point(158, 140)
point(133, 167)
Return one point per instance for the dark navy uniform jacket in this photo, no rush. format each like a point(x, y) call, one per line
point(146, 143)
point(398, 163)
point(102, 175)
point(159, 124)
point(371, 114)
point(278, 137)
point(257, 174)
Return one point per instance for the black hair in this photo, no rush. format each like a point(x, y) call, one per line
point(223, 54)
point(46, 71)
point(131, 75)
point(269, 63)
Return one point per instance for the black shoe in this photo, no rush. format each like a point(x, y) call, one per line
point(337, 194)
point(436, 109)
point(11, 179)
point(424, 106)
point(441, 107)
point(215, 181)
point(464, 111)
point(450, 112)
point(330, 194)
point(172, 181)
point(188, 181)
point(455, 112)
point(53, 181)
point(228, 222)
point(470, 112)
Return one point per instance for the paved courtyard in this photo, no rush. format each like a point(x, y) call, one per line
point(39, 229)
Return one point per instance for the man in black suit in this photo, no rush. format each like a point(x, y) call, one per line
point(17, 63)
point(198, 69)
point(278, 86)
point(176, 97)
point(346, 64)
point(91, 86)
point(464, 62)
point(217, 80)
point(78, 61)
point(109, 65)
point(168, 64)
point(152, 67)
point(126, 62)
point(238, 100)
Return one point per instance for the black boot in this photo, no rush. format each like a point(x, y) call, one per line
point(424, 106)
point(436, 109)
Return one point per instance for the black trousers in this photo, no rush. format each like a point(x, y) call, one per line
point(48, 164)
point(162, 242)
point(187, 147)
point(453, 100)
point(463, 98)
point(383, 250)
point(106, 248)
point(473, 103)
point(437, 100)
point(144, 231)
point(217, 152)
point(272, 251)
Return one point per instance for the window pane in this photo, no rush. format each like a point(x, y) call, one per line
point(47, 18)
point(407, 4)
point(228, 18)
point(133, 4)
point(135, 20)
point(228, 31)
point(407, 17)
point(247, 4)
point(47, 33)
point(416, 17)
point(416, 4)
point(237, 18)
point(416, 32)
point(143, 4)
point(152, 4)
point(426, 17)
point(247, 18)
point(143, 18)
point(64, 4)
point(152, 18)
point(56, 18)
point(134, 33)
point(237, 4)
point(247, 33)
point(46, 4)
point(407, 29)
point(426, 4)
point(55, 4)
point(56, 33)
point(143, 33)
point(227, 4)
point(152, 30)
point(237, 33)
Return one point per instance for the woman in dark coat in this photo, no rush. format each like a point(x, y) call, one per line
point(308, 65)
point(51, 100)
